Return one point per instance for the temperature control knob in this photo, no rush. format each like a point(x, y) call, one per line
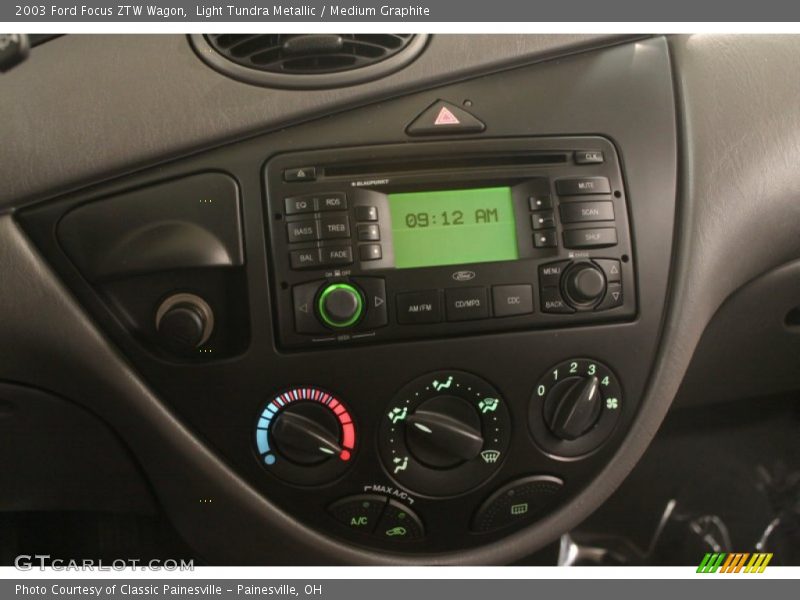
point(306, 433)
point(445, 433)
point(575, 407)
point(305, 436)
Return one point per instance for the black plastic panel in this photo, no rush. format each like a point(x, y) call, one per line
point(192, 222)
point(58, 457)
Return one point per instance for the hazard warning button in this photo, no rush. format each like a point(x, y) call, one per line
point(443, 118)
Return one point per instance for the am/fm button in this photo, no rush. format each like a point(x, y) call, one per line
point(419, 307)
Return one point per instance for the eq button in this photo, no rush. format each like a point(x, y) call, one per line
point(300, 204)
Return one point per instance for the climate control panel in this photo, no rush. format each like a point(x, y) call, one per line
point(447, 440)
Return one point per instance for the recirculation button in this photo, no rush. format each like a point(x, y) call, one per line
point(398, 523)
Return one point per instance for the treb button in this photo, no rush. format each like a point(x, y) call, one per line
point(334, 227)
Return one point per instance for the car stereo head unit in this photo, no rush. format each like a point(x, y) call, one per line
point(436, 239)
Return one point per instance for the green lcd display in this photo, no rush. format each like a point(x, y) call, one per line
point(453, 227)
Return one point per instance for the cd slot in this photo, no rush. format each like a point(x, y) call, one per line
point(417, 165)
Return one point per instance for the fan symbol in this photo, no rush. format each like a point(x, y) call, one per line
point(612, 403)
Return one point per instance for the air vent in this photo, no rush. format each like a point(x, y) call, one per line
point(308, 60)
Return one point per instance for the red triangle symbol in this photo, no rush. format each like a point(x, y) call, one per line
point(445, 117)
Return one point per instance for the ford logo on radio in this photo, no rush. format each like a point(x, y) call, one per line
point(464, 275)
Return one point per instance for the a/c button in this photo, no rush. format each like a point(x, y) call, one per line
point(359, 513)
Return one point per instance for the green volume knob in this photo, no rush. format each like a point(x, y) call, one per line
point(340, 305)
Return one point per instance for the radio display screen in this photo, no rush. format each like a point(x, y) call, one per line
point(453, 227)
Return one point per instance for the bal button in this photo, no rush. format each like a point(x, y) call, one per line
point(340, 305)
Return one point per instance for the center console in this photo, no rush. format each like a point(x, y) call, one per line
point(404, 342)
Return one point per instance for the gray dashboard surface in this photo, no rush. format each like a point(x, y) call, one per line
point(87, 107)
point(738, 218)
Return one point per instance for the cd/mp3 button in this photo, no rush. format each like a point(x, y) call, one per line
point(466, 304)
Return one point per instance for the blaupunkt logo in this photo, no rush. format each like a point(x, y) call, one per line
point(736, 562)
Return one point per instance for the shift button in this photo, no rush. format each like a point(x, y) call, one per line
point(590, 238)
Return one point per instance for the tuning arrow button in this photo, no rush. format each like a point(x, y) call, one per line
point(613, 297)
